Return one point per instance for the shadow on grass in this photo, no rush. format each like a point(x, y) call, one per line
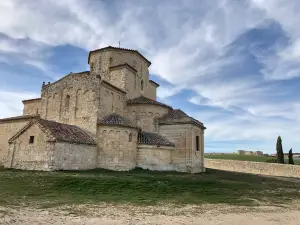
point(142, 187)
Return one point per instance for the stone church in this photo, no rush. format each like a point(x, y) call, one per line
point(107, 117)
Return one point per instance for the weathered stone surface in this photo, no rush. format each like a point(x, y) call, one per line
point(9, 127)
point(186, 158)
point(271, 169)
point(145, 116)
point(101, 62)
point(32, 106)
point(30, 156)
point(155, 158)
point(44, 153)
point(69, 156)
point(117, 147)
point(114, 85)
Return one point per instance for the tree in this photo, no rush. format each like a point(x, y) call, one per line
point(291, 160)
point(280, 156)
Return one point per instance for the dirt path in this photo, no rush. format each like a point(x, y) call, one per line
point(167, 215)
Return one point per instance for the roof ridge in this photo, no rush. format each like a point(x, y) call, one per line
point(115, 119)
point(151, 138)
point(179, 116)
point(125, 49)
point(60, 132)
point(70, 74)
point(144, 100)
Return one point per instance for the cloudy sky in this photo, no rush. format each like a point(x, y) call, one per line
point(234, 65)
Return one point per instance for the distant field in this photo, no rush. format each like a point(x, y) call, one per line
point(252, 158)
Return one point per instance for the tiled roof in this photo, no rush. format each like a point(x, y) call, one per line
point(59, 132)
point(178, 116)
point(148, 138)
point(123, 49)
point(19, 118)
point(116, 120)
point(175, 114)
point(144, 100)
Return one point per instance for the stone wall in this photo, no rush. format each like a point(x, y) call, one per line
point(111, 100)
point(72, 100)
point(153, 157)
point(144, 115)
point(101, 61)
point(117, 77)
point(7, 130)
point(150, 91)
point(271, 169)
point(68, 156)
point(116, 147)
point(30, 156)
point(186, 158)
point(31, 107)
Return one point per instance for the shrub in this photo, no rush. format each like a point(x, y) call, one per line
point(271, 160)
point(280, 155)
point(291, 160)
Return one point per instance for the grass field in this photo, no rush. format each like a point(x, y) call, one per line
point(141, 187)
point(253, 158)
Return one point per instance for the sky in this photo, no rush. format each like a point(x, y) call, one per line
point(233, 65)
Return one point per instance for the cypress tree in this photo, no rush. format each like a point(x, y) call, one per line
point(280, 156)
point(291, 160)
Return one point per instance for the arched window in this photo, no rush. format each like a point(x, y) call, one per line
point(130, 137)
point(142, 85)
point(67, 102)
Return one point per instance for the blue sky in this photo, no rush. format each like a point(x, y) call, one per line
point(234, 65)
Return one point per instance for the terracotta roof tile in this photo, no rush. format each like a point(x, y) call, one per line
point(116, 119)
point(148, 138)
point(144, 100)
point(67, 133)
point(59, 132)
point(178, 116)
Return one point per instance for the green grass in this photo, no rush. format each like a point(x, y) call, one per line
point(141, 187)
point(253, 158)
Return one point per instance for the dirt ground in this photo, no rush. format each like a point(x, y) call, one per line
point(168, 214)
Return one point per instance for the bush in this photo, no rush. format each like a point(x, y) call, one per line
point(291, 160)
point(271, 160)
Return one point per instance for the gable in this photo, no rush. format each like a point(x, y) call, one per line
point(31, 129)
point(57, 132)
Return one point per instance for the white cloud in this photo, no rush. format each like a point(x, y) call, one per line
point(11, 102)
point(188, 44)
point(285, 63)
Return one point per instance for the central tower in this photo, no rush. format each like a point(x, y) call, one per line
point(124, 68)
